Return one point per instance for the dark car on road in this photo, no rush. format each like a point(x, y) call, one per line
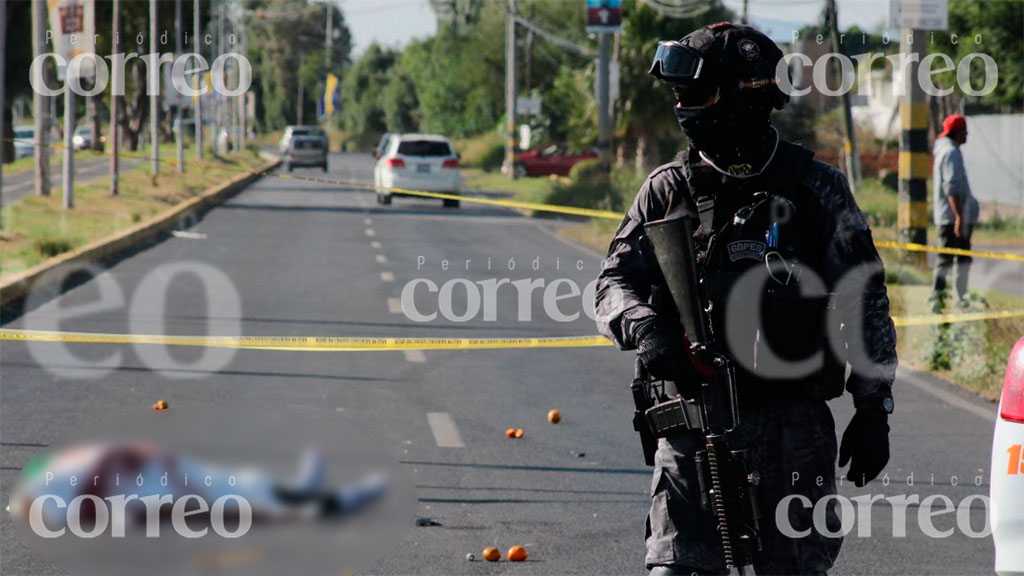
point(306, 151)
point(555, 159)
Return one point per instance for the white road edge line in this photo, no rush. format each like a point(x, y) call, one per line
point(414, 356)
point(387, 276)
point(381, 259)
point(446, 435)
point(394, 306)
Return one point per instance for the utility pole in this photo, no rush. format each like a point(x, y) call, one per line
point(197, 80)
point(40, 106)
point(510, 88)
point(243, 97)
point(604, 124)
point(329, 47)
point(179, 127)
point(3, 115)
point(218, 99)
point(912, 213)
point(115, 77)
point(232, 103)
point(745, 18)
point(154, 78)
point(529, 53)
point(68, 198)
point(852, 156)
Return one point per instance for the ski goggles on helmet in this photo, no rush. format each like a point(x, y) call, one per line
point(675, 62)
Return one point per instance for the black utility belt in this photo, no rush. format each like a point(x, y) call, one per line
point(674, 415)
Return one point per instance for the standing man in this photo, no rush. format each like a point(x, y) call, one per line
point(783, 232)
point(955, 210)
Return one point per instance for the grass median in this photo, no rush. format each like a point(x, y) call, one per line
point(36, 228)
point(972, 355)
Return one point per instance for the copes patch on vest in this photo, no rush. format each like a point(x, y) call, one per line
point(745, 249)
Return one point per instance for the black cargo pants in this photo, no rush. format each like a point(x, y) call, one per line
point(792, 444)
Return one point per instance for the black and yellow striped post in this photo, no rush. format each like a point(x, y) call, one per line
point(912, 214)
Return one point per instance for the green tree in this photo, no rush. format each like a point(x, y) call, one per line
point(645, 121)
point(401, 107)
point(1000, 26)
point(284, 35)
point(362, 91)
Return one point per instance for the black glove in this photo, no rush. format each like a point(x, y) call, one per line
point(660, 350)
point(866, 443)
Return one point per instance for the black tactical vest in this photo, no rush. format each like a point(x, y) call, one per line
point(760, 251)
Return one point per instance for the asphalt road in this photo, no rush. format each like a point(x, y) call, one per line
point(313, 259)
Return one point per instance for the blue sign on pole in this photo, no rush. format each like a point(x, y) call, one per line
point(604, 15)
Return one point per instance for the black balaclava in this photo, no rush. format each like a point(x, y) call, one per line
point(735, 133)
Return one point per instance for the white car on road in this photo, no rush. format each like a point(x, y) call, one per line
point(1007, 488)
point(424, 162)
point(24, 141)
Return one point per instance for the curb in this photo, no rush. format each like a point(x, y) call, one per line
point(58, 267)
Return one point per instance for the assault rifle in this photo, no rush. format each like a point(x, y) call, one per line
point(726, 481)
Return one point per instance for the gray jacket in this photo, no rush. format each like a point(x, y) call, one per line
point(626, 279)
point(949, 178)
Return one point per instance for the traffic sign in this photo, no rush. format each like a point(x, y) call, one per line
point(604, 15)
point(919, 14)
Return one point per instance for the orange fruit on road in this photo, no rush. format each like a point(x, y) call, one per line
point(510, 432)
point(554, 416)
point(491, 554)
point(517, 554)
point(160, 405)
point(519, 432)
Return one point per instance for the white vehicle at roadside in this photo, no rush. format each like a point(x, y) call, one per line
point(24, 141)
point(1006, 491)
point(426, 162)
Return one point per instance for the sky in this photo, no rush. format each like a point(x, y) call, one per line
point(396, 22)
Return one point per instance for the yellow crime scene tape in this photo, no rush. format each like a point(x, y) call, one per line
point(307, 343)
point(550, 208)
point(910, 247)
point(374, 344)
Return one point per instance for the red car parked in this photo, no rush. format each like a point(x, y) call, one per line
point(554, 159)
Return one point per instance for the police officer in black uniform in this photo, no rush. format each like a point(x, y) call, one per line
point(796, 290)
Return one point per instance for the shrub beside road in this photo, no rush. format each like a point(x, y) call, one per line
point(36, 228)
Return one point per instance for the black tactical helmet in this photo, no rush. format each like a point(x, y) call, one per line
point(731, 56)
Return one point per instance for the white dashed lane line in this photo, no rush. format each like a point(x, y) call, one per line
point(368, 221)
point(414, 356)
point(394, 306)
point(370, 232)
point(381, 259)
point(446, 435)
point(375, 245)
point(387, 276)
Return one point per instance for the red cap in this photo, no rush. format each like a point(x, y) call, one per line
point(953, 122)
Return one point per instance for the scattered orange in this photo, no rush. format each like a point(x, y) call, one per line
point(519, 432)
point(160, 405)
point(510, 432)
point(491, 554)
point(516, 554)
point(554, 416)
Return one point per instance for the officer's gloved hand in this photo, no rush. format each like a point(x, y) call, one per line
point(660, 350)
point(865, 445)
